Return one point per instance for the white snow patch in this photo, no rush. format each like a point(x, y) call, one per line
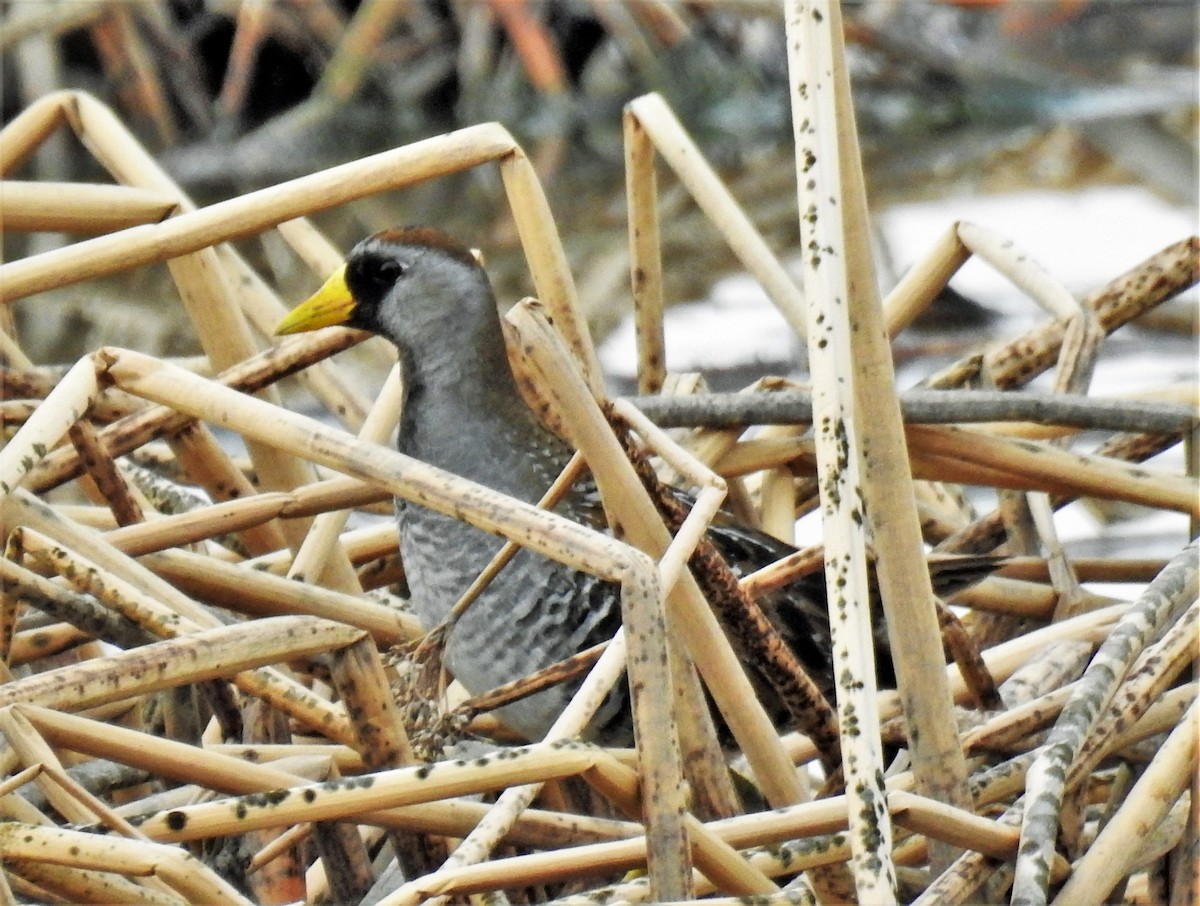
point(737, 326)
point(1082, 238)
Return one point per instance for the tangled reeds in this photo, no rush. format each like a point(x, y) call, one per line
point(196, 705)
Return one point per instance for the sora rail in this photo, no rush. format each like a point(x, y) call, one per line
point(462, 412)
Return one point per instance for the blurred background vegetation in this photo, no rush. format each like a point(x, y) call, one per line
point(973, 96)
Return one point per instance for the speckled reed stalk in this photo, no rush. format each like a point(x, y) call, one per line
point(862, 460)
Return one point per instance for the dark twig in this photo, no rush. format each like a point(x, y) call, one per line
point(930, 407)
point(750, 632)
point(971, 666)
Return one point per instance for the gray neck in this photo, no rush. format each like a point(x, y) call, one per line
point(463, 413)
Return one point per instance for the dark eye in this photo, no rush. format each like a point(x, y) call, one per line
point(389, 270)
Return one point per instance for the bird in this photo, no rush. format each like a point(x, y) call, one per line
point(463, 412)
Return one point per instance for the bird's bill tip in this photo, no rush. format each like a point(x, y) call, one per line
point(331, 304)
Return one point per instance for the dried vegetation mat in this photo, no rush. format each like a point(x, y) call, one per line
point(196, 700)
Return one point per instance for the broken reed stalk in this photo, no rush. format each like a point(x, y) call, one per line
point(311, 559)
point(245, 215)
point(921, 283)
point(252, 213)
point(671, 141)
point(1174, 589)
point(628, 506)
point(1023, 271)
point(1014, 364)
point(547, 259)
point(690, 616)
point(545, 532)
point(1076, 362)
point(645, 254)
point(752, 636)
point(203, 285)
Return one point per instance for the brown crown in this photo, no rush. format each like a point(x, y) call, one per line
point(431, 238)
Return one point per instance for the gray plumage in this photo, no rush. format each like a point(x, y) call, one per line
point(463, 413)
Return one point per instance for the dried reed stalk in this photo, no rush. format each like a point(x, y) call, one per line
point(1075, 473)
point(670, 140)
point(37, 207)
point(1174, 589)
point(387, 790)
point(139, 427)
point(1169, 775)
point(243, 216)
point(548, 261)
point(193, 881)
point(546, 533)
point(213, 770)
point(47, 425)
point(1141, 412)
point(199, 277)
point(291, 697)
point(314, 553)
point(256, 419)
point(241, 513)
point(645, 632)
point(691, 619)
point(924, 280)
point(1014, 364)
point(645, 254)
point(859, 415)
point(203, 655)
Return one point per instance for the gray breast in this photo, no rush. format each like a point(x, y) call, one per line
point(535, 613)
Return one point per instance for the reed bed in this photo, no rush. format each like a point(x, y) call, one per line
point(240, 659)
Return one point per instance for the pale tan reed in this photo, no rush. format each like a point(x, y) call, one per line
point(42, 207)
point(678, 149)
point(695, 624)
point(645, 254)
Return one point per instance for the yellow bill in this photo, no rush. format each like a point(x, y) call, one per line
point(331, 304)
